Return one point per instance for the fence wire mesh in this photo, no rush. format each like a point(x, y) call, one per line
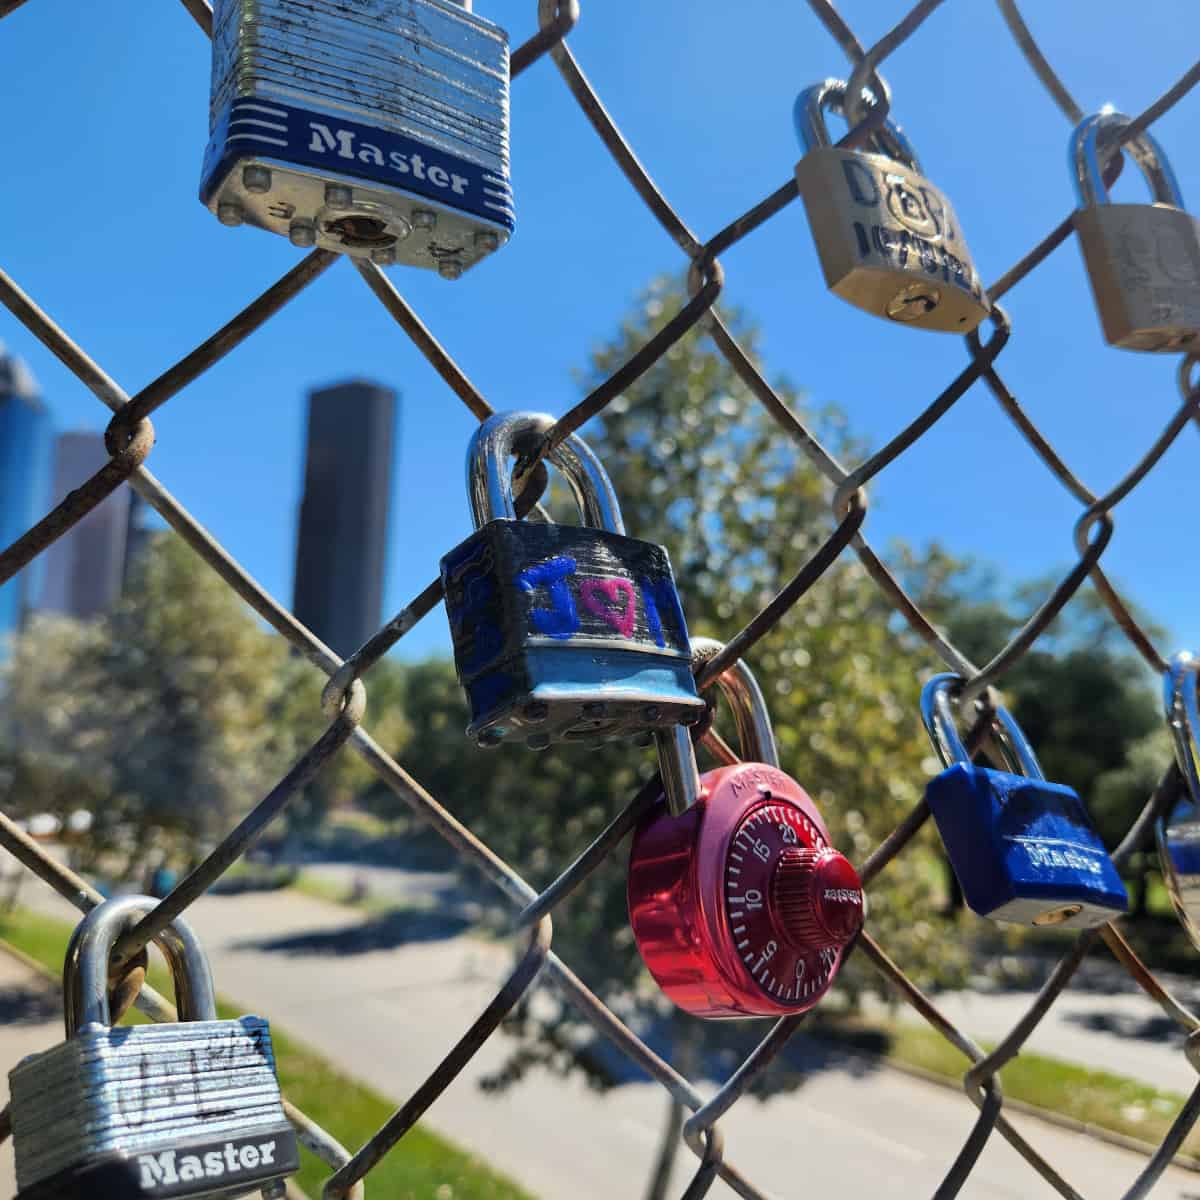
point(130, 439)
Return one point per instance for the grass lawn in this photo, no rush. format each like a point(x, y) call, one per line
point(1093, 1097)
point(423, 1166)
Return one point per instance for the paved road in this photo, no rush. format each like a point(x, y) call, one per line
point(388, 1013)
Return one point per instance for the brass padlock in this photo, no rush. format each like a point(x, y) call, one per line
point(888, 240)
point(1143, 259)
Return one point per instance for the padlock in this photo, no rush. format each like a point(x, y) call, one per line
point(177, 1110)
point(561, 632)
point(1143, 260)
point(1023, 850)
point(376, 129)
point(741, 906)
point(1178, 831)
point(888, 240)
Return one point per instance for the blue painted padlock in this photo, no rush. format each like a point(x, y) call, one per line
point(562, 633)
point(1024, 850)
point(1179, 829)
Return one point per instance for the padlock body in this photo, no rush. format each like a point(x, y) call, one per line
point(889, 241)
point(699, 897)
point(1143, 261)
point(177, 1110)
point(404, 107)
point(1024, 850)
point(567, 633)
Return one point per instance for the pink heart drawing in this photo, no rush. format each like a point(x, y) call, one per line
point(600, 598)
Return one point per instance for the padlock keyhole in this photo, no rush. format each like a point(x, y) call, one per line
point(361, 232)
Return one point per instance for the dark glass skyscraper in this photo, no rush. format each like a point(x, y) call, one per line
point(25, 440)
point(341, 550)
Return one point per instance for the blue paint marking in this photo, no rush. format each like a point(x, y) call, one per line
point(662, 591)
point(263, 128)
point(561, 620)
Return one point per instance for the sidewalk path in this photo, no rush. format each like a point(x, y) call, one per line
point(388, 1014)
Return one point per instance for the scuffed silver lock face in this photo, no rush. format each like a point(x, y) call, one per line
point(369, 128)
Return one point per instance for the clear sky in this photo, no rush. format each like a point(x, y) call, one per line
point(106, 121)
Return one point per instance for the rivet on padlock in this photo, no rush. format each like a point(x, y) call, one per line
point(1179, 831)
point(562, 632)
point(1024, 850)
point(1143, 260)
point(888, 240)
point(179, 1110)
point(374, 129)
point(741, 907)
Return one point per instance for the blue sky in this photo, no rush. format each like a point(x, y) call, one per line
point(106, 127)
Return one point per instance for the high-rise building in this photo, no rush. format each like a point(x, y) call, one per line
point(341, 549)
point(139, 529)
point(24, 477)
point(85, 566)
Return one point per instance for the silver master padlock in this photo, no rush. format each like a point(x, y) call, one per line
point(370, 127)
point(1143, 260)
point(888, 240)
point(128, 1113)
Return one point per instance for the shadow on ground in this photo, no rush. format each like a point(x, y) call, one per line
point(1150, 1029)
point(808, 1052)
point(400, 927)
point(23, 1004)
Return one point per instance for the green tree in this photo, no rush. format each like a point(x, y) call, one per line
point(700, 468)
point(179, 709)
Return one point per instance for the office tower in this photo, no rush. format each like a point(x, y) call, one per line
point(84, 567)
point(342, 544)
point(139, 529)
point(24, 480)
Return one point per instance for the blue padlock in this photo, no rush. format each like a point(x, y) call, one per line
point(1024, 850)
point(565, 632)
point(1179, 829)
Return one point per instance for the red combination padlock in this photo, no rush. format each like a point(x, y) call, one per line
point(740, 906)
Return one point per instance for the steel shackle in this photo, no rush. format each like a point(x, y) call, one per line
point(809, 115)
point(1178, 831)
point(489, 473)
point(1086, 156)
point(756, 738)
point(85, 970)
point(937, 713)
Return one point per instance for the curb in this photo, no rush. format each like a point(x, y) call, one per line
point(1122, 1140)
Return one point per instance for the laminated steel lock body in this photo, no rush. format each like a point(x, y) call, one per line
point(888, 240)
point(740, 906)
point(1023, 850)
point(1143, 260)
point(362, 126)
point(1178, 831)
point(561, 632)
point(185, 1110)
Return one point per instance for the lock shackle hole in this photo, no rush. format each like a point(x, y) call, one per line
point(1091, 147)
point(937, 712)
point(756, 738)
point(489, 471)
point(809, 116)
point(85, 970)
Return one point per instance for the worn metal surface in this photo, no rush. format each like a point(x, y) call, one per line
point(130, 438)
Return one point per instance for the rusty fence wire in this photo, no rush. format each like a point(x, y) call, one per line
point(130, 440)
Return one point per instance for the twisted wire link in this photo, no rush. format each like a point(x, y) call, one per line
point(344, 697)
point(1038, 61)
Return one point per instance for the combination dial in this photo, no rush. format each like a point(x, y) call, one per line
point(740, 906)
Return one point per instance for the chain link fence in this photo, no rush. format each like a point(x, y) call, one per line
point(130, 439)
